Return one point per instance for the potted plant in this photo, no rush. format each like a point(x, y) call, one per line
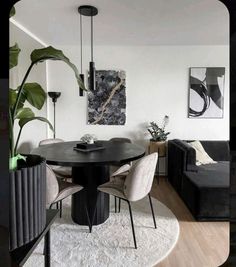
point(28, 172)
point(159, 136)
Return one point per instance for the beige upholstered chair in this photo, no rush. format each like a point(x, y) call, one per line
point(61, 171)
point(135, 186)
point(49, 141)
point(120, 139)
point(114, 168)
point(57, 189)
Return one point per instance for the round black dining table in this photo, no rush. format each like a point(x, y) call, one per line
point(90, 169)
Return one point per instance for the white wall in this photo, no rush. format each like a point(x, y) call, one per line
point(156, 84)
point(34, 131)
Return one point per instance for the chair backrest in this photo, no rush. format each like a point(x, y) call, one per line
point(138, 182)
point(50, 141)
point(52, 189)
point(120, 139)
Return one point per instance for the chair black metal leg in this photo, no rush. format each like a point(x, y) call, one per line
point(57, 206)
point(119, 205)
point(60, 208)
point(153, 215)
point(115, 204)
point(132, 224)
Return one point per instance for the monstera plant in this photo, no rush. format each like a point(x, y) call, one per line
point(30, 93)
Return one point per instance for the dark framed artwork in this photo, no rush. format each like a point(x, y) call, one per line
point(107, 103)
point(206, 92)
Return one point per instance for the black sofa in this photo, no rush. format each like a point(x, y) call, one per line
point(204, 188)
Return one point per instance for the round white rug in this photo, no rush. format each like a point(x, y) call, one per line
point(111, 243)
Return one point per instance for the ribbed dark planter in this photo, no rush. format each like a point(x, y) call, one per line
point(27, 201)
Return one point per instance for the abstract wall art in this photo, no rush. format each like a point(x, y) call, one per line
point(206, 92)
point(107, 103)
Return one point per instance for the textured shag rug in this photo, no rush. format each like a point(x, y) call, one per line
point(111, 243)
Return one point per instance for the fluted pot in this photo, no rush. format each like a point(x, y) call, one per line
point(27, 201)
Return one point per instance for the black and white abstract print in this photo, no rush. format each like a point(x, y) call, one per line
point(206, 93)
point(107, 103)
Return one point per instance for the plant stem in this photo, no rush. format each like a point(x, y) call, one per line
point(20, 91)
point(13, 113)
point(11, 134)
point(17, 140)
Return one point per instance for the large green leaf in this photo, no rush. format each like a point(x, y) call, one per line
point(12, 12)
point(14, 54)
point(24, 113)
point(12, 97)
point(34, 94)
point(40, 55)
point(22, 122)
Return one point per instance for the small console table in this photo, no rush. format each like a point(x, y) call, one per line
point(20, 255)
point(160, 155)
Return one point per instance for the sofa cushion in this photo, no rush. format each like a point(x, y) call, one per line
point(201, 156)
point(217, 150)
point(206, 201)
point(211, 175)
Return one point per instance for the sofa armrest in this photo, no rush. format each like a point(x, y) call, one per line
point(189, 150)
point(181, 155)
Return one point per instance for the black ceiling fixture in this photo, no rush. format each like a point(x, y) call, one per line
point(89, 11)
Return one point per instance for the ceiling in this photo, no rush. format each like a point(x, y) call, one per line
point(128, 22)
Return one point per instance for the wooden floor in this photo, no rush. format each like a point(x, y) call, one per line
point(200, 244)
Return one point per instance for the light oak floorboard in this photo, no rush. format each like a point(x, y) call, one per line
point(200, 244)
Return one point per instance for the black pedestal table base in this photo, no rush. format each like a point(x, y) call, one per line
point(90, 177)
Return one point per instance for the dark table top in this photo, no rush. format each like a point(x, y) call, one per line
point(63, 154)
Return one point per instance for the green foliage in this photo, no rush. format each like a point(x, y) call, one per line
point(31, 93)
point(23, 121)
point(14, 54)
point(24, 113)
point(40, 55)
point(12, 12)
point(34, 94)
point(158, 133)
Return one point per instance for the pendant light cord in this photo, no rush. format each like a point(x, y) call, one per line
point(81, 43)
point(91, 36)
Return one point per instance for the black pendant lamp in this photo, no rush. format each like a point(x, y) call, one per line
point(89, 11)
point(81, 91)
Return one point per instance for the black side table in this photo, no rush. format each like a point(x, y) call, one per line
point(20, 255)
